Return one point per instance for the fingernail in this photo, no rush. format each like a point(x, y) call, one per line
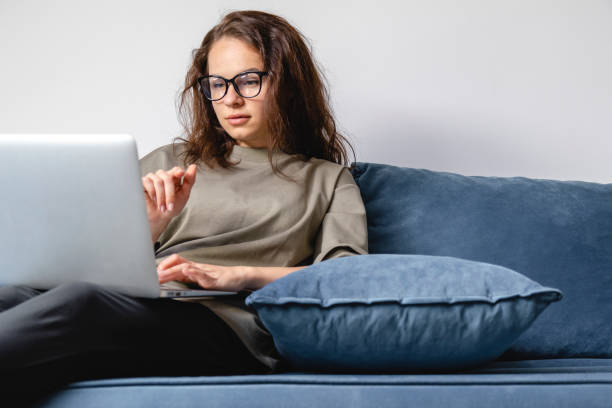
point(163, 208)
point(170, 206)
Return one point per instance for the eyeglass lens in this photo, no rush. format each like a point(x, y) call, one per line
point(248, 84)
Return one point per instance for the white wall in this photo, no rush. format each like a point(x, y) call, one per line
point(478, 87)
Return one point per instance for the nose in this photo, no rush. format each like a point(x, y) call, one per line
point(232, 98)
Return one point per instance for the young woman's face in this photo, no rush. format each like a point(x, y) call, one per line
point(227, 57)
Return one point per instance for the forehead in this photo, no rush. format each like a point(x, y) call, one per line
point(229, 56)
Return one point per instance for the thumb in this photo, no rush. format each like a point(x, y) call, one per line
point(189, 177)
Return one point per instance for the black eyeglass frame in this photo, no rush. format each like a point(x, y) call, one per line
point(261, 74)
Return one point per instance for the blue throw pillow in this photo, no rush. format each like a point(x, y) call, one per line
point(398, 312)
point(558, 233)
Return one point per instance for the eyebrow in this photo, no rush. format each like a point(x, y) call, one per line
point(241, 72)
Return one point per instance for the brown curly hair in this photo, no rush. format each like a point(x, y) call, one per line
point(297, 108)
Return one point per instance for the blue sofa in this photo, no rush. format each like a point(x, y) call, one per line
point(558, 233)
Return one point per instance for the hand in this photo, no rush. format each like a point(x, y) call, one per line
point(166, 196)
point(212, 277)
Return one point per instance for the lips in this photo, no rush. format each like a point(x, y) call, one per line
point(236, 120)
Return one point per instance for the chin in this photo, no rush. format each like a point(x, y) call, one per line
point(240, 138)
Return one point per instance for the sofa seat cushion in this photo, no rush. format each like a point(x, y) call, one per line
point(398, 312)
point(554, 383)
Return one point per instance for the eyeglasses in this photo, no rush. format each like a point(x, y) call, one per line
point(246, 84)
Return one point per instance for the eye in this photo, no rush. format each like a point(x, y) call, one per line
point(249, 80)
point(216, 83)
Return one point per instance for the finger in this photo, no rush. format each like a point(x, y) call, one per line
point(169, 188)
point(160, 190)
point(172, 260)
point(172, 180)
point(176, 174)
point(148, 186)
point(176, 171)
point(151, 205)
point(189, 180)
point(149, 190)
point(206, 275)
point(201, 279)
point(190, 175)
point(175, 273)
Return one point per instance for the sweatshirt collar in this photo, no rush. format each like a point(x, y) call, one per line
point(251, 154)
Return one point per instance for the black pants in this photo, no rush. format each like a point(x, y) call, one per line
point(81, 331)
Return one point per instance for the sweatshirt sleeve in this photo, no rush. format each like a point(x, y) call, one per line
point(344, 230)
point(155, 160)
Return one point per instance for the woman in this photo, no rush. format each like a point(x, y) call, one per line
point(263, 195)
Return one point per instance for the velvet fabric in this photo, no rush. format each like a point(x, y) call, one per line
point(558, 233)
point(398, 312)
point(509, 384)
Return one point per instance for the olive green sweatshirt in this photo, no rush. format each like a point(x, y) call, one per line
point(248, 216)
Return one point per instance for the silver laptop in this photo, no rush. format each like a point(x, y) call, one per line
point(72, 208)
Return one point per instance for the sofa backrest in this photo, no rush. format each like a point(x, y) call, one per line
point(558, 233)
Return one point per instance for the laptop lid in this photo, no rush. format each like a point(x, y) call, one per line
point(73, 209)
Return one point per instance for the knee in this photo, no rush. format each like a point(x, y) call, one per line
point(79, 289)
point(79, 295)
point(11, 295)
